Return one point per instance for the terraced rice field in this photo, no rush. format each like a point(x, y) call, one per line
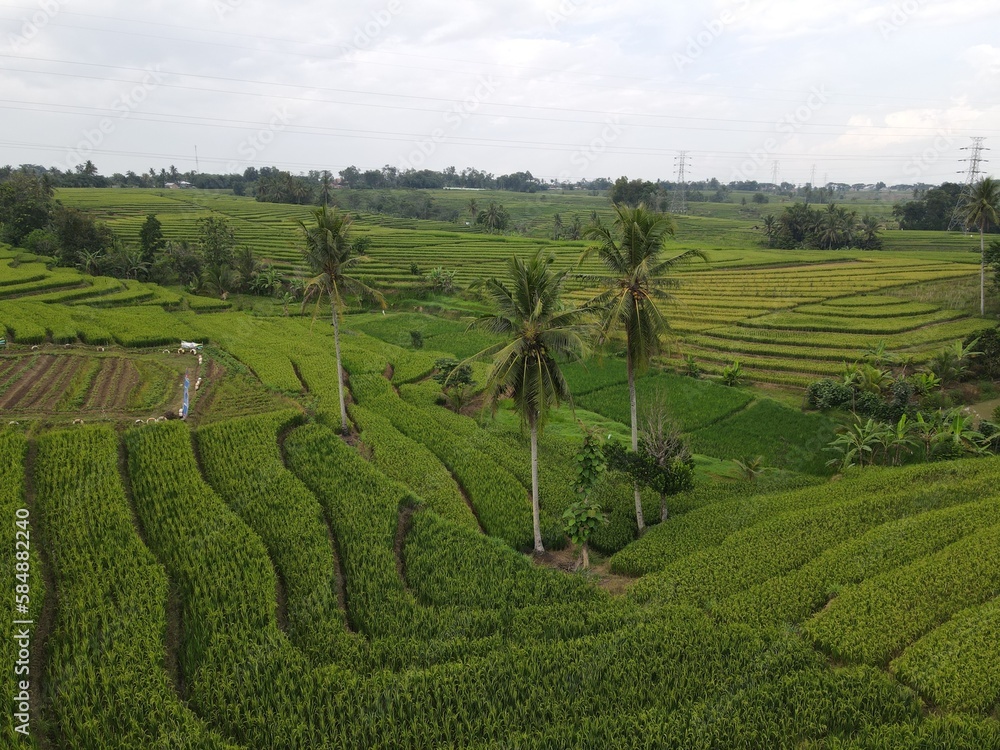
point(786, 316)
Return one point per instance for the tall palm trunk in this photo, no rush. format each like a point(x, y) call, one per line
point(535, 508)
point(635, 436)
point(340, 367)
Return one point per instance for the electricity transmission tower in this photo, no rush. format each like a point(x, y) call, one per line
point(774, 174)
point(975, 161)
point(678, 201)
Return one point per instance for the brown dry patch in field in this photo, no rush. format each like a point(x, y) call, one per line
point(52, 388)
point(99, 389)
point(27, 380)
point(114, 382)
point(12, 368)
point(567, 560)
point(127, 380)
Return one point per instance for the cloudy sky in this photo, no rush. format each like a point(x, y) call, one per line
point(848, 91)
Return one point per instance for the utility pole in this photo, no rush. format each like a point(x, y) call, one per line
point(678, 201)
point(975, 161)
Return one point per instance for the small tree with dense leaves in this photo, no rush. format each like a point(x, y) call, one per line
point(582, 517)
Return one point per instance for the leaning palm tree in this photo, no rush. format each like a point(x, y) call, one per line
point(327, 252)
point(980, 211)
point(539, 332)
point(631, 250)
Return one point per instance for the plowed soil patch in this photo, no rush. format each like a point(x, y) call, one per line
point(27, 380)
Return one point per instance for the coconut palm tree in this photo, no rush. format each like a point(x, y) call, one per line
point(632, 252)
point(325, 186)
point(539, 331)
point(980, 212)
point(770, 227)
point(327, 252)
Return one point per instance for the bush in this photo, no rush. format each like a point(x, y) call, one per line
point(868, 404)
point(828, 394)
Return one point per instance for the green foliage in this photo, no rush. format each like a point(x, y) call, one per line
point(442, 280)
point(692, 368)
point(828, 394)
point(216, 242)
point(450, 373)
point(581, 519)
point(590, 463)
point(732, 375)
point(151, 238)
point(416, 339)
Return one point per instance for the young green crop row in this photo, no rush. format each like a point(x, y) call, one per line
point(410, 463)
point(849, 342)
point(874, 620)
point(957, 665)
point(510, 453)
point(784, 542)
point(625, 676)
point(242, 462)
point(242, 675)
point(30, 322)
point(786, 438)
point(729, 509)
point(691, 404)
point(23, 273)
point(500, 501)
point(794, 597)
point(108, 685)
point(258, 343)
point(904, 309)
point(62, 277)
point(21, 580)
point(794, 321)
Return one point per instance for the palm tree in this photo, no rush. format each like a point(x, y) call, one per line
point(473, 208)
point(870, 227)
point(325, 186)
point(770, 227)
point(328, 255)
point(980, 211)
point(631, 250)
point(539, 332)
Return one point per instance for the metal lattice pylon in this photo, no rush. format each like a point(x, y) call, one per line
point(975, 161)
point(678, 201)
